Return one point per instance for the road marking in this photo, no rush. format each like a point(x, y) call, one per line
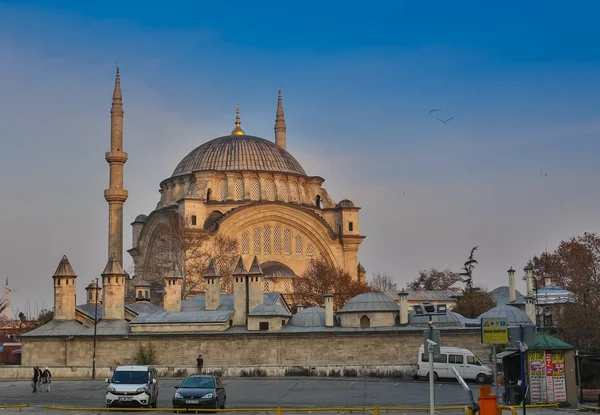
point(396, 384)
point(352, 383)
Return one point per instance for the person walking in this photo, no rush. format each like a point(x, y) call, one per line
point(199, 364)
point(36, 379)
point(46, 380)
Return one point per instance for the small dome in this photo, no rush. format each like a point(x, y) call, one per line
point(141, 218)
point(513, 315)
point(361, 268)
point(309, 317)
point(369, 302)
point(92, 285)
point(345, 203)
point(142, 283)
point(450, 319)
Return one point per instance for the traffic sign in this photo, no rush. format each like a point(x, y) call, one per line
point(494, 331)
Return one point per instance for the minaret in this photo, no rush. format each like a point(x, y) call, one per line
point(116, 195)
point(6, 292)
point(280, 123)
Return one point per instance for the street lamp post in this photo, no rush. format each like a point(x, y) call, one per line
point(95, 330)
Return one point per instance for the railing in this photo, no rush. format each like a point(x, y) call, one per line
point(19, 406)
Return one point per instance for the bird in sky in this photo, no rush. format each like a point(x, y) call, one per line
point(445, 121)
point(543, 174)
point(434, 110)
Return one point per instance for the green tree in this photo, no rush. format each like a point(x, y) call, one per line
point(434, 280)
point(473, 303)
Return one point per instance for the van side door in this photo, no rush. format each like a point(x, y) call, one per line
point(457, 361)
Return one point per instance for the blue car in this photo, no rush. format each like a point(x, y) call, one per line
point(200, 391)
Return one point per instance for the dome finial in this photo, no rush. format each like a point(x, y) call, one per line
point(238, 130)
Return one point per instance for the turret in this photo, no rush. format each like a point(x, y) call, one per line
point(255, 275)
point(240, 294)
point(173, 289)
point(93, 293)
point(213, 286)
point(528, 279)
point(113, 287)
point(511, 285)
point(280, 129)
point(403, 303)
point(64, 291)
point(142, 291)
point(328, 310)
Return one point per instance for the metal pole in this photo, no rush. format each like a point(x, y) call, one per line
point(523, 388)
point(95, 325)
point(578, 367)
point(495, 369)
point(431, 382)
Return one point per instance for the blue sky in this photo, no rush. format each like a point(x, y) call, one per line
point(521, 79)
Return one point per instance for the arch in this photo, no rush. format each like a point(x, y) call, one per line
point(212, 219)
point(270, 190)
point(256, 240)
point(318, 202)
point(293, 192)
point(208, 194)
point(365, 322)
point(244, 244)
point(309, 250)
point(298, 245)
point(139, 295)
point(223, 190)
point(287, 242)
point(255, 189)
point(282, 192)
point(277, 240)
point(267, 239)
point(90, 297)
point(239, 189)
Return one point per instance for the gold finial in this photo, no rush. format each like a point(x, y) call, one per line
point(238, 130)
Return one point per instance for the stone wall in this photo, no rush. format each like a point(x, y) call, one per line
point(371, 348)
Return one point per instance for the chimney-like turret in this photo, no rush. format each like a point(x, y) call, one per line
point(511, 285)
point(64, 291)
point(240, 294)
point(328, 310)
point(403, 304)
point(528, 279)
point(212, 280)
point(547, 281)
point(280, 129)
point(142, 291)
point(113, 287)
point(93, 293)
point(255, 274)
point(173, 287)
point(530, 307)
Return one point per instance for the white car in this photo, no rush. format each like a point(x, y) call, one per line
point(132, 386)
point(466, 363)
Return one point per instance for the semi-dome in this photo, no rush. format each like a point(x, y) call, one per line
point(369, 302)
point(309, 317)
point(239, 153)
point(513, 315)
point(345, 203)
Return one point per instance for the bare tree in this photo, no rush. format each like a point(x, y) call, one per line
point(382, 282)
point(186, 251)
point(434, 280)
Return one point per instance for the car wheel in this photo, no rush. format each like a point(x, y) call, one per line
point(154, 404)
point(223, 405)
point(481, 378)
point(435, 376)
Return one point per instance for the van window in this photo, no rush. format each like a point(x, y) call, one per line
point(442, 358)
point(456, 358)
point(472, 360)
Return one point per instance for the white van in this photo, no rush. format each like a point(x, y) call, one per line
point(466, 363)
point(132, 385)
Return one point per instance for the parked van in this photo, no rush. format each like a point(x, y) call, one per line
point(466, 363)
point(133, 386)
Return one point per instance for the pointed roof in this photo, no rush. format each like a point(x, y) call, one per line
point(64, 269)
point(113, 267)
point(117, 92)
point(240, 269)
point(142, 283)
point(211, 270)
point(279, 117)
point(255, 267)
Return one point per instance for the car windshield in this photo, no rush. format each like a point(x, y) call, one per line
point(194, 382)
point(130, 377)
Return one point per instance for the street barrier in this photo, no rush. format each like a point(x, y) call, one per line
point(591, 408)
point(376, 410)
point(19, 406)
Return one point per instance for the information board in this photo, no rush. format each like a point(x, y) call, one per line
point(494, 331)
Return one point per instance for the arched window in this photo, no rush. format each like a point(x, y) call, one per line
point(244, 243)
point(267, 239)
point(223, 190)
point(208, 194)
point(256, 240)
point(254, 190)
point(298, 245)
point(147, 294)
point(365, 322)
point(266, 287)
point(140, 294)
point(282, 193)
point(90, 296)
point(287, 287)
point(287, 242)
point(276, 240)
point(293, 192)
point(309, 250)
point(318, 203)
point(270, 190)
point(239, 189)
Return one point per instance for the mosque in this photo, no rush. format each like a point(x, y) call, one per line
point(254, 192)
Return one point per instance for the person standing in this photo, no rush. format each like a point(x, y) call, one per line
point(36, 378)
point(199, 364)
point(46, 380)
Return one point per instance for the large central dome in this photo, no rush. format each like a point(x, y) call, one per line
point(239, 153)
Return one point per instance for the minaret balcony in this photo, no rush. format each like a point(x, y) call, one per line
point(116, 157)
point(116, 195)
